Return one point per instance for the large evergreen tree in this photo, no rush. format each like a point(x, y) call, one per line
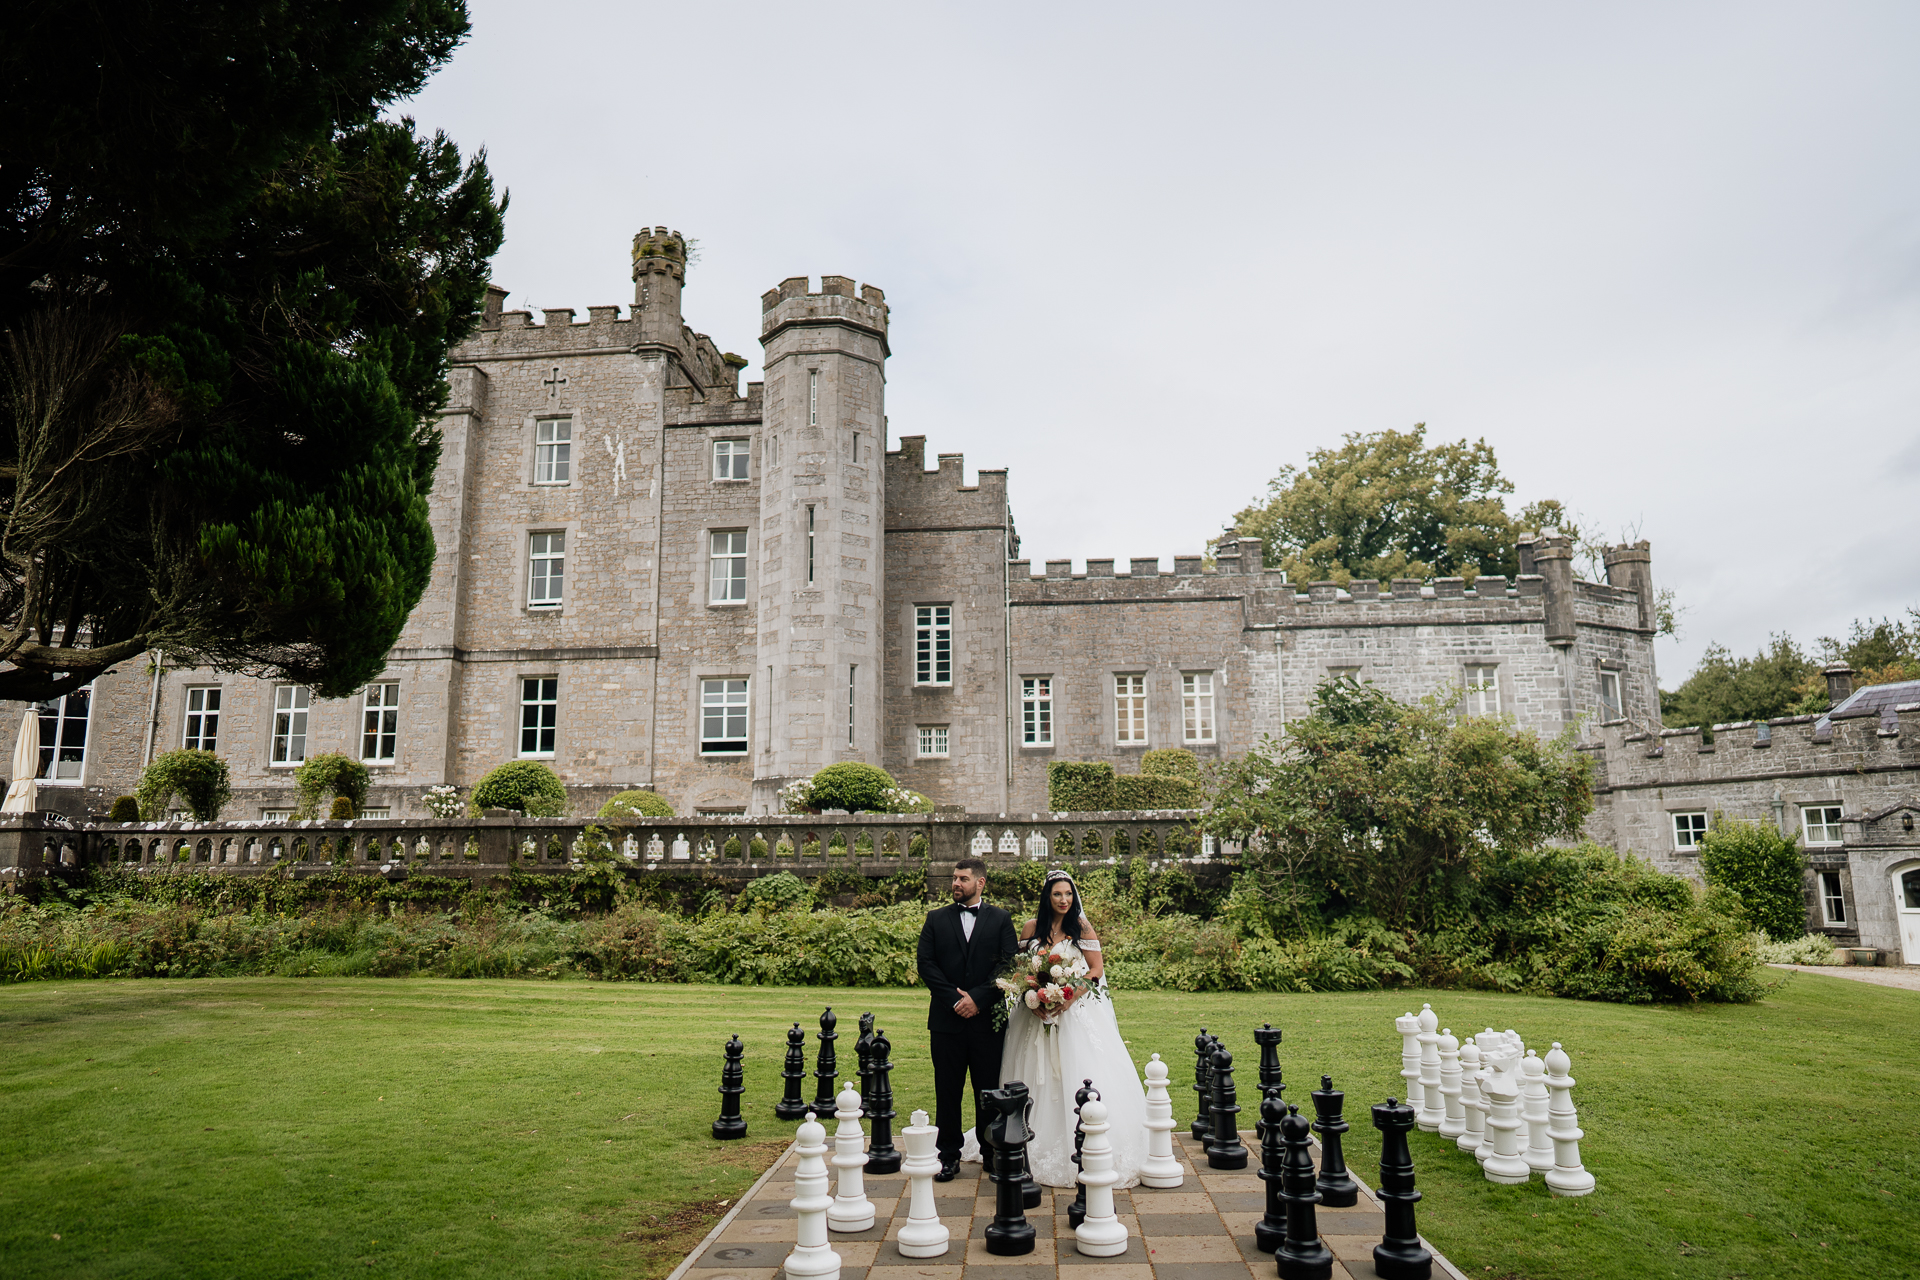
point(228, 284)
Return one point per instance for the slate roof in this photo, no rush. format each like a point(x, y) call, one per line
point(1876, 699)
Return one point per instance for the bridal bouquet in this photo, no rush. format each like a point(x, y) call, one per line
point(1047, 980)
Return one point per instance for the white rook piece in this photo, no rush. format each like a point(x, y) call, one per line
point(1533, 1109)
point(1100, 1234)
point(1505, 1164)
point(1432, 1108)
point(922, 1235)
point(1409, 1028)
point(813, 1258)
point(851, 1210)
point(1159, 1169)
point(1568, 1177)
point(1473, 1111)
point(1455, 1122)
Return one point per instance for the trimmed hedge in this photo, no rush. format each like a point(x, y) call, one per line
point(857, 788)
point(198, 777)
point(125, 809)
point(526, 785)
point(1172, 762)
point(1078, 786)
point(637, 804)
point(330, 774)
point(1764, 870)
point(1156, 791)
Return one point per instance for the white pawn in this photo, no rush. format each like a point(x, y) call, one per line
point(1159, 1169)
point(1533, 1108)
point(1473, 1111)
point(1454, 1122)
point(1432, 1106)
point(922, 1235)
point(813, 1258)
point(1100, 1234)
point(1409, 1028)
point(1505, 1164)
point(1568, 1177)
point(851, 1211)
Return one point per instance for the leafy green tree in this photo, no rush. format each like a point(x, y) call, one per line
point(228, 284)
point(1763, 868)
point(1882, 652)
point(1723, 688)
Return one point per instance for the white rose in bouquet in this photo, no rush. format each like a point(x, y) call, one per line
point(1052, 992)
point(1033, 999)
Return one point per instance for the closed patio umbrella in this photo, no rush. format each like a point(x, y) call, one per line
point(23, 793)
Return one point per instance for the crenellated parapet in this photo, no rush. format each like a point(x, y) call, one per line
point(940, 499)
point(837, 304)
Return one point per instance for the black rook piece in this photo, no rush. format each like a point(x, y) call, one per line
point(1077, 1211)
point(1202, 1126)
point(1225, 1151)
point(1400, 1255)
point(1272, 1229)
point(863, 1049)
point(793, 1104)
point(730, 1125)
point(1337, 1188)
point(1009, 1233)
point(1268, 1038)
point(1303, 1255)
point(881, 1156)
point(825, 1086)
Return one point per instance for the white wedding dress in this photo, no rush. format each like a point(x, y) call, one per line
point(1053, 1061)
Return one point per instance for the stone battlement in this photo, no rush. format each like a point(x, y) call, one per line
point(837, 302)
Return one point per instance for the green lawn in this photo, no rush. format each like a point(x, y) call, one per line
point(266, 1127)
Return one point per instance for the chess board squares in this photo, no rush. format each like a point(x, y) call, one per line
point(1041, 1260)
point(751, 1230)
point(1213, 1248)
point(930, 1269)
point(1075, 1263)
point(1182, 1224)
point(730, 1273)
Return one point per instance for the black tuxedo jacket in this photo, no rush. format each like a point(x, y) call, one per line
point(949, 965)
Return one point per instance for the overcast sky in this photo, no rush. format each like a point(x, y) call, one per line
point(1665, 258)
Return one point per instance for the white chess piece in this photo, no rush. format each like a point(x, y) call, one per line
point(1159, 1169)
point(1100, 1234)
point(1409, 1028)
point(1432, 1108)
point(922, 1235)
point(851, 1211)
point(1454, 1122)
point(1533, 1109)
point(1497, 1062)
point(813, 1258)
point(1473, 1110)
point(1505, 1164)
point(1568, 1177)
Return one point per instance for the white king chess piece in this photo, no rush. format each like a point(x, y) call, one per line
point(1100, 1234)
point(922, 1235)
point(813, 1258)
point(851, 1211)
point(1159, 1169)
point(1433, 1110)
point(1568, 1177)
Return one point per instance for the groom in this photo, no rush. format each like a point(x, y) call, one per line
point(963, 948)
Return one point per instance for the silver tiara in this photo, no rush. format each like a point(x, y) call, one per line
point(1058, 874)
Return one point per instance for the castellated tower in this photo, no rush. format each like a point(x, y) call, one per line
point(822, 508)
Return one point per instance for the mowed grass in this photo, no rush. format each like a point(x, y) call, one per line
point(265, 1127)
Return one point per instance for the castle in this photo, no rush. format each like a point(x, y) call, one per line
point(649, 577)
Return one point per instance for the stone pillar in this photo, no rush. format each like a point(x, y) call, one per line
point(1553, 559)
point(1839, 683)
point(1631, 569)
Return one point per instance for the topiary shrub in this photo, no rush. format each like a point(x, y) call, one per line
point(330, 774)
point(1764, 871)
point(757, 848)
point(1172, 762)
point(781, 891)
point(1150, 791)
point(198, 777)
point(637, 804)
point(918, 848)
point(125, 809)
point(857, 788)
point(526, 785)
point(1079, 786)
point(342, 810)
point(731, 849)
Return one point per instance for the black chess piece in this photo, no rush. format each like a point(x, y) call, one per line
point(826, 1087)
point(1338, 1190)
point(1268, 1038)
point(1009, 1234)
point(732, 1075)
point(1225, 1151)
point(793, 1103)
point(863, 1050)
point(1202, 1127)
point(882, 1157)
point(1272, 1229)
point(1077, 1211)
point(1399, 1255)
point(1302, 1255)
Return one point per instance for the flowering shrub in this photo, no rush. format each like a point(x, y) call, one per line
point(442, 802)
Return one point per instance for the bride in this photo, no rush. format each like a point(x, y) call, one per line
point(1083, 1044)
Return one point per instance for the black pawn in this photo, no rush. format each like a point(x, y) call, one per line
point(793, 1103)
point(1077, 1211)
point(1202, 1126)
point(1009, 1234)
point(863, 1050)
point(1272, 1229)
point(825, 1085)
point(1268, 1038)
point(881, 1155)
point(1225, 1151)
point(732, 1075)
point(1338, 1190)
point(1302, 1255)
point(1399, 1255)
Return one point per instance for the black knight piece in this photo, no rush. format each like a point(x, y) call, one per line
point(732, 1075)
point(881, 1155)
point(1268, 1038)
point(1272, 1229)
point(1077, 1211)
point(1202, 1126)
point(1225, 1151)
point(863, 1051)
point(793, 1103)
point(1302, 1255)
point(1009, 1234)
point(1338, 1190)
point(825, 1086)
point(1399, 1255)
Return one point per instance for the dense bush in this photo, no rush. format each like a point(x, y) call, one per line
point(125, 809)
point(342, 810)
point(1814, 948)
point(857, 788)
point(1156, 791)
point(1172, 762)
point(781, 891)
point(526, 785)
point(1080, 786)
point(199, 778)
point(330, 775)
point(637, 804)
point(1763, 870)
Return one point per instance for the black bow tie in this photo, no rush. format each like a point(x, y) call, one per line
point(973, 910)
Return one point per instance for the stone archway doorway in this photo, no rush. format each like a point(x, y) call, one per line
point(1906, 906)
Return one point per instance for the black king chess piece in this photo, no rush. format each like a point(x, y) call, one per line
point(863, 1050)
point(1272, 1229)
point(1399, 1255)
point(825, 1085)
point(793, 1103)
point(1009, 1234)
point(1338, 1190)
point(1302, 1255)
point(882, 1157)
point(1077, 1211)
point(1268, 1038)
point(732, 1075)
point(1202, 1127)
point(1225, 1151)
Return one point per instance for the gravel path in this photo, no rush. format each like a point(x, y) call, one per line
point(1906, 976)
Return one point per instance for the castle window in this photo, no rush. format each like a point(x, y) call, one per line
point(63, 735)
point(553, 451)
point(276, 815)
point(1689, 829)
point(1610, 695)
point(379, 723)
point(539, 715)
point(1036, 711)
point(809, 546)
point(1129, 709)
point(729, 459)
point(203, 719)
point(813, 397)
point(1821, 824)
point(1196, 705)
point(1337, 674)
point(933, 644)
point(384, 812)
point(933, 741)
point(1483, 692)
point(723, 717)
point(546, 569)
point(1833, 903)
point(290, 703)
point(852, 671)
point(727, 567)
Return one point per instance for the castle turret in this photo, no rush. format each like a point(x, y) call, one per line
point(1553, 561)
point(1630, 567)
point(659, 276)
